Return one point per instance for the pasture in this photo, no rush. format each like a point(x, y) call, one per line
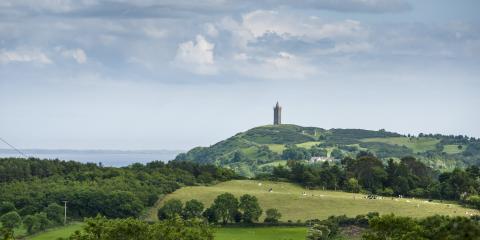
point(296, 203)
point(416, 144)
point(260, 233)
point(59, 232)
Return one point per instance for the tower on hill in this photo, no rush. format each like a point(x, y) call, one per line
point(277, 114)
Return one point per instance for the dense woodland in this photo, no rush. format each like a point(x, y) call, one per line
point(32, 189)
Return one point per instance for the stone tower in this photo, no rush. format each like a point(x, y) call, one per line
point(277, 114)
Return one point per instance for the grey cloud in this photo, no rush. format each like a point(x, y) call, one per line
point(366, 6)
point(184, 8)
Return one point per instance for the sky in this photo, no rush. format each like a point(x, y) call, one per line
point(117, 74)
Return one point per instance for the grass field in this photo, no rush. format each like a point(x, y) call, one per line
point(307, 145)
point(276, 148)
point(416, 144)
point(453, 149)
point(274, 163)
point(261, 233)
point(54, 233)
point(288, 199)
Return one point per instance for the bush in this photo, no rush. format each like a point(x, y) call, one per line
point(273, 215)
point(6, 207)
point(11, 220)
point(170, 209)
point(101, 228)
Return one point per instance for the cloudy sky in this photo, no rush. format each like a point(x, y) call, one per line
point(174, 74)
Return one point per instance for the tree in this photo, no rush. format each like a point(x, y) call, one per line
point(6, 233)
point(11, 220)
point(170, 209)
point(225, 207)
point(55, 213)
point(6, 207)
point(318, 232)
point(353, 185)
point(101, 228)
point(210, 215)
point(42, 220)
point(193, 209)
point(273, 215)
point(30, 223)
point(250, 207)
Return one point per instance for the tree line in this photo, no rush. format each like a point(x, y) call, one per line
point(226, 208)
point(368, 174)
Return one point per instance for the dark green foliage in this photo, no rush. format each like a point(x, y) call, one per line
point(193, 209)
point(383, 150)
point(293, 152)
point(250, 208)
point(408, 177)
point(273, 215)
point(11, 220)
point(337, 154)
point(6, 207)
point(225, 207)
point(171, 209)
point(435, 227)
point(90, 189)
point(55, 213)
point(284, 134)
point(100, 228)
point(6, 233)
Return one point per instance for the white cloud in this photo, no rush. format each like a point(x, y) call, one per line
point(34, 56)
point(310, 28)
point(77, 54)
point(281, 66)
point(155, 32)
point(196, 56)
point(211, 30)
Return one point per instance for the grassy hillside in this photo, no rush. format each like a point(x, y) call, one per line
point(293, 205)
point(249, 153)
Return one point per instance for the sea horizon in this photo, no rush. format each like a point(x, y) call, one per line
point(107, 157)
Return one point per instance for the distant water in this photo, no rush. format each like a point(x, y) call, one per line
point(113, 158)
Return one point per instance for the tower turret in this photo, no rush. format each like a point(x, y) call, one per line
point(277, 114)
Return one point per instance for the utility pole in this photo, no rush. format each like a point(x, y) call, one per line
point(65, 213)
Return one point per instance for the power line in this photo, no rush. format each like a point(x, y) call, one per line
point(14, 148)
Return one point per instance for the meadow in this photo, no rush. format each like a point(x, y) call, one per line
point(416, 144)
point(296, 203)
point(59, 232)
point(260, 233)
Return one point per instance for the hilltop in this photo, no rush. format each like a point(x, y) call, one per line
point(259, 149)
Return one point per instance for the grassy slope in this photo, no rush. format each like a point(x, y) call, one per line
point(453, 149)
point(54, 233)
point(288, 199)
point(261, 233)
point(308, 145)
point(417, 144)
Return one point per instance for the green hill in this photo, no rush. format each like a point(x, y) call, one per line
point(289, 199)
point(259, 149)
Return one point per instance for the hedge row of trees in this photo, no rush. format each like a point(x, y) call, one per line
point(226, 208)
point(101, 228)
point(32, 188)
point(367, 173)
point(397, 228)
